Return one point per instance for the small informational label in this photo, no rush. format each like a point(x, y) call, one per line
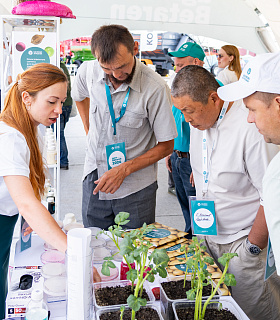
point(174, 248)
point(25, 241)
point(32, 56)
point(270, 267)
point(158, 233)
point(203, 217)
point(115, 154)
point(183, 267)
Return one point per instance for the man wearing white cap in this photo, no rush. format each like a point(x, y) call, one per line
point(259, 86)
point(229, 158)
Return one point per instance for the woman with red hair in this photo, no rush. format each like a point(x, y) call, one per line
point(37, 97)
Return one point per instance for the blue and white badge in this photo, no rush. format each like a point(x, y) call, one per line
point(270, 267)
point(115, 154)
point(203, 217)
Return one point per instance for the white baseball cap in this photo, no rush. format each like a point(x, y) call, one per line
point(262, 73)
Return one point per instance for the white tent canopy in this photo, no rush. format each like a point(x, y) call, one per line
point(233, 21)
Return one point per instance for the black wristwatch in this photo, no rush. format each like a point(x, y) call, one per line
point(253, 248)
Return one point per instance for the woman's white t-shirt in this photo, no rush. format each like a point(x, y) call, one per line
point(227, 76)
point(14, 160)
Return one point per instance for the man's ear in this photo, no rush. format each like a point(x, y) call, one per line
point(214, 98)
point(136, 48)
point(278, 100)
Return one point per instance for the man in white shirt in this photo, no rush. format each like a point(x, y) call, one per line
point(126, 105)
point(259, 86)
point(237, 158)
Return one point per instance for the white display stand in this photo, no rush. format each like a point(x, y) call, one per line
point(32, 39)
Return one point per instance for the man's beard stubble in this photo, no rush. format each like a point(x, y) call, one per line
point(127, 80)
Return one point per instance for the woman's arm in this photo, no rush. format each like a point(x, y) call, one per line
point(33, 211)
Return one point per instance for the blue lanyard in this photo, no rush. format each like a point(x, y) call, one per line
point(110, 104)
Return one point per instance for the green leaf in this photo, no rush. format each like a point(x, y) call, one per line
point(142, 301)
point(203, 248)
point(121, 218)
point(151, 277)
point(135, 303)
point(209, 260)
point(230, 279)
point(126, 246)
point(130, 259)
point(118, 233)
point(105, 269)
point(190, 263)
point(122, 308)
point(160, 257)
point(226, 257)
point(111, 264)
point(131, 275)
point(108, 258)
point(191, 294)
point(162, 271)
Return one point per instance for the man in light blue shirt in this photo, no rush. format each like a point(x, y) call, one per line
point(179, 161)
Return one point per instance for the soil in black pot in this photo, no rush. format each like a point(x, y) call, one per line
point(175, 289)
point(210, 314)
point(109, 296)
point(142, 314)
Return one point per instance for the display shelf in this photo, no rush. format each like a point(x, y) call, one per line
point(14, 27)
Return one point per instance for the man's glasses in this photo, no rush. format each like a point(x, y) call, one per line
point(219, 56)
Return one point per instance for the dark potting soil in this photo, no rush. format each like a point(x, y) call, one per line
point(210, 314)
point(142, 314)
point(175, 289)
point(109, 296)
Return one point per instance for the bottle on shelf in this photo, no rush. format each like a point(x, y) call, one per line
point(37, 308)
point(50, 146)
point(51, 201)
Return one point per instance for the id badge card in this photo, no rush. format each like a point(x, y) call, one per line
point(115, 154)
point(203, 216)
point(270, 266)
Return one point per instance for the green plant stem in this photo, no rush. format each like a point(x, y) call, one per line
point(185, 277)
point(215, 290)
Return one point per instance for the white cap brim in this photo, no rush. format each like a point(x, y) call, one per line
point(235, 91)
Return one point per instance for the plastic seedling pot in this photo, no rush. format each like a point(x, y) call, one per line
point(112, 309)
point(167, 302)
point(121, 283)
point(227, 303)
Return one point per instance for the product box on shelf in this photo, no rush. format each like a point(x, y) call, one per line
point(24, 279)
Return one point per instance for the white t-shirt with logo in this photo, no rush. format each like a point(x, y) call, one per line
point(14, 160)
point(237, 167)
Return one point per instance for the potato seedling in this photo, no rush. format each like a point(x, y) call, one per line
point(200, 277)
point(134, 248)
